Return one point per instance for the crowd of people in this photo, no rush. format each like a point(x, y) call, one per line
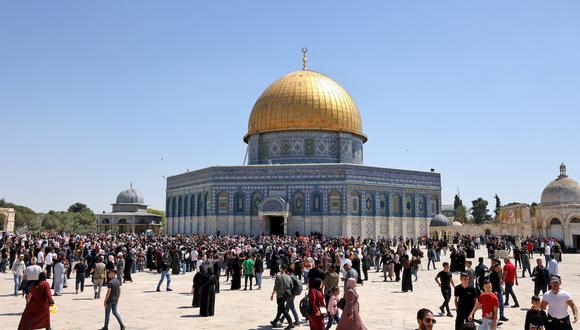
point(329, 269)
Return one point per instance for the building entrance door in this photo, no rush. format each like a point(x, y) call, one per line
point(276, 225)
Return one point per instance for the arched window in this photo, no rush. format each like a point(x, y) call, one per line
point(383, 204)
point(179, 207)
point(173, 207)
point(410, 205)
point(239, 202)
point(355, 202)
point(397, 205)
point(206, 203)
point(298, 203)
point(223, 202)
point(256, 200)
point(185, 203)
point(370, 204)
point(105, 221)
point(316, 202)
point(199, 204)
point(422, 206)
point(192, 205)
point(334, 201)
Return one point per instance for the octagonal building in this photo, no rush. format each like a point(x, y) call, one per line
point(305, 174)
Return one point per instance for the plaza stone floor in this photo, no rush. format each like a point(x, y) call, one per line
point(382, 305)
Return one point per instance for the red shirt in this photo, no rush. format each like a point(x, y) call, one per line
point(488, 302)
point(510, 273)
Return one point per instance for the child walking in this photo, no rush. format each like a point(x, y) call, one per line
point(332, 307)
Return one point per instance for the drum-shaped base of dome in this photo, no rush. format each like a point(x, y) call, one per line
point(305, 147)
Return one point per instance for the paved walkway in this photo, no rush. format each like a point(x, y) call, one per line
point(383, 305)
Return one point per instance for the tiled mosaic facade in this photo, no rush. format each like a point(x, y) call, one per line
point(299, 147)
point(334, 199)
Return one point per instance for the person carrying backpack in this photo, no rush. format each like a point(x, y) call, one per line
point(296, 291)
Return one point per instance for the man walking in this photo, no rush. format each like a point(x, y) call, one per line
point(510, 278)
point(80, 270)
point(282, 290)
point(112, 299)
point(465, 300)
point(164, 269)
point(98, 277)
point(541, 277)
point(248, 266)
point(558, 301)
point(18, 271)
point(445, 280)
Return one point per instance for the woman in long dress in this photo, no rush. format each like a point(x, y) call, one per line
point(207, 299)
point(36, 315)
point(350, 318)
point(197, 282)
point(121, 265)
point(407, 284)
point(129, 264)
point(316, 318)
point(236, 274)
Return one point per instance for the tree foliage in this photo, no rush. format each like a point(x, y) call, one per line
point(457, 202)
point(24, 216)
point(460, 213)
point(78, 208)
point(479, 211)
point(162, 214)
point(497, 205)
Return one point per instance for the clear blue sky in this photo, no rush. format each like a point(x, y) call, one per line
point(94, 94)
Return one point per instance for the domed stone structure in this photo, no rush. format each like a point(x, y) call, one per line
point(563, 190)
point(130, 196)
point(129, 214)
point(558, 215)
point(305, 174)
point(440, 221)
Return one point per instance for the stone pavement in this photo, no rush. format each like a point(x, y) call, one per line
point(383, 305)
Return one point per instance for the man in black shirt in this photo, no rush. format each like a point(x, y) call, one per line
point(465, 300)
point(316, 272)
point(495, 279)
point(445, 279)
point(81, 271)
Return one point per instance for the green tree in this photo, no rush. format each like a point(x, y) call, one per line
point(23, 217)
point(497, 205)
point(460, 213)
point(457, 202)
point(479, 211)
point(78, 207)
point(2, 218)
point(533, 208)
point(162, 214)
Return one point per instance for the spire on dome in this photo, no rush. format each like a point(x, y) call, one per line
point(562, 171)
point(304, 59)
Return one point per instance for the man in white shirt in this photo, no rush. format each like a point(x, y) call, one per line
point(40, 257)
point(547, 252)
point(193, 259)
point(557, 301)
point(48, 261)
point(553, 267)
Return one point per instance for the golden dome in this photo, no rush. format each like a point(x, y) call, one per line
point(305, 100)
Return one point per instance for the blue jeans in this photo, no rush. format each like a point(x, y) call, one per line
point(499, 295)
point(259, 280)
point(17, 282)
point(332, 318)
point(290, 306)
point(112, 306)
point(164, 274)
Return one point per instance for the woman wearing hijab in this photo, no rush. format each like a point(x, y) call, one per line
point(350, 319)
point(207, 296)
point(130, 266)
point(236, 274)
point(197, 281)
point(407, 284)
point(36, 315)
point(120, 267)
point(316, 318)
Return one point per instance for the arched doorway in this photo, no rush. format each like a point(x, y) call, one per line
point(556, 229)
point(122, 226)
point(574, 230)
point(487, 231)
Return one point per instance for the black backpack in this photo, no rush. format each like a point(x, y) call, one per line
point(305, 309)
point(296, 286)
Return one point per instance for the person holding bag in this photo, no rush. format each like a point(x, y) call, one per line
point(351, 319)
point(318, 310)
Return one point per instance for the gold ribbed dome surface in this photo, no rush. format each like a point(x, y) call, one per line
point(305, 100)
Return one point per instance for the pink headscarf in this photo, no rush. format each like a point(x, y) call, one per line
point(351, 283)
